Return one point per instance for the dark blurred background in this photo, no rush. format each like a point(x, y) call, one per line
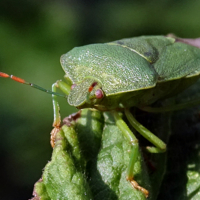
point(33, 36)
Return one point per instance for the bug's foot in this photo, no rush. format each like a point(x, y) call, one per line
point(138, 187)
point(71, 119)
point(53, 135)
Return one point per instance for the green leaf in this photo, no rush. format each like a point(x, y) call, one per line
point(193, 184)
point(90, 160)
point(108, 170)
point(64, 177)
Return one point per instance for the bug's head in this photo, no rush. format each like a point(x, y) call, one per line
point(86, 93)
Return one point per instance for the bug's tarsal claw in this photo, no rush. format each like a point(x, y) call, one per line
point(71, 119)
point(138, 187)
point(53, 136)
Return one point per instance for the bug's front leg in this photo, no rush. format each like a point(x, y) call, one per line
point(56, 108)
point(134, 151)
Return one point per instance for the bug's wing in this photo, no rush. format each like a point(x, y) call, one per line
point(149, 47)
point(171, 60)
point(117, 68)
point(177, 61)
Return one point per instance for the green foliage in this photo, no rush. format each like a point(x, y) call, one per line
point(90, 161)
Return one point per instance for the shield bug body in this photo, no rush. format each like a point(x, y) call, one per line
point(127, 73)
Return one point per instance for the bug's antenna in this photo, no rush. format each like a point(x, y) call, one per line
point(20, 80)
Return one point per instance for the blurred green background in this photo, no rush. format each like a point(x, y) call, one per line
point(33, 36)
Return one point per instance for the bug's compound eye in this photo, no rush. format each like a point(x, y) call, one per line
point(95, 93)
point(99, 94)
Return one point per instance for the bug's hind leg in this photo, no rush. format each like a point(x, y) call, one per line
point(134, 151)
point(160, 146)
point(130, 177)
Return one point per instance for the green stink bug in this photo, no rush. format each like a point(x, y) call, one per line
point(127, 73)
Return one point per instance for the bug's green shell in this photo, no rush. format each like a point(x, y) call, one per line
point(120, 68)
point(117, 68)
point(171, 60)
point(129, 65)
point(177, 61)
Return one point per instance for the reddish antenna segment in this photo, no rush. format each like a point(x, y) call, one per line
point(20, 80)
point(4, 75)
point(17, 79)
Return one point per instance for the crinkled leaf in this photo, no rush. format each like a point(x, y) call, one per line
point(193, 184)
point(108, 170)
point(64, 176)
point(90, 161)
